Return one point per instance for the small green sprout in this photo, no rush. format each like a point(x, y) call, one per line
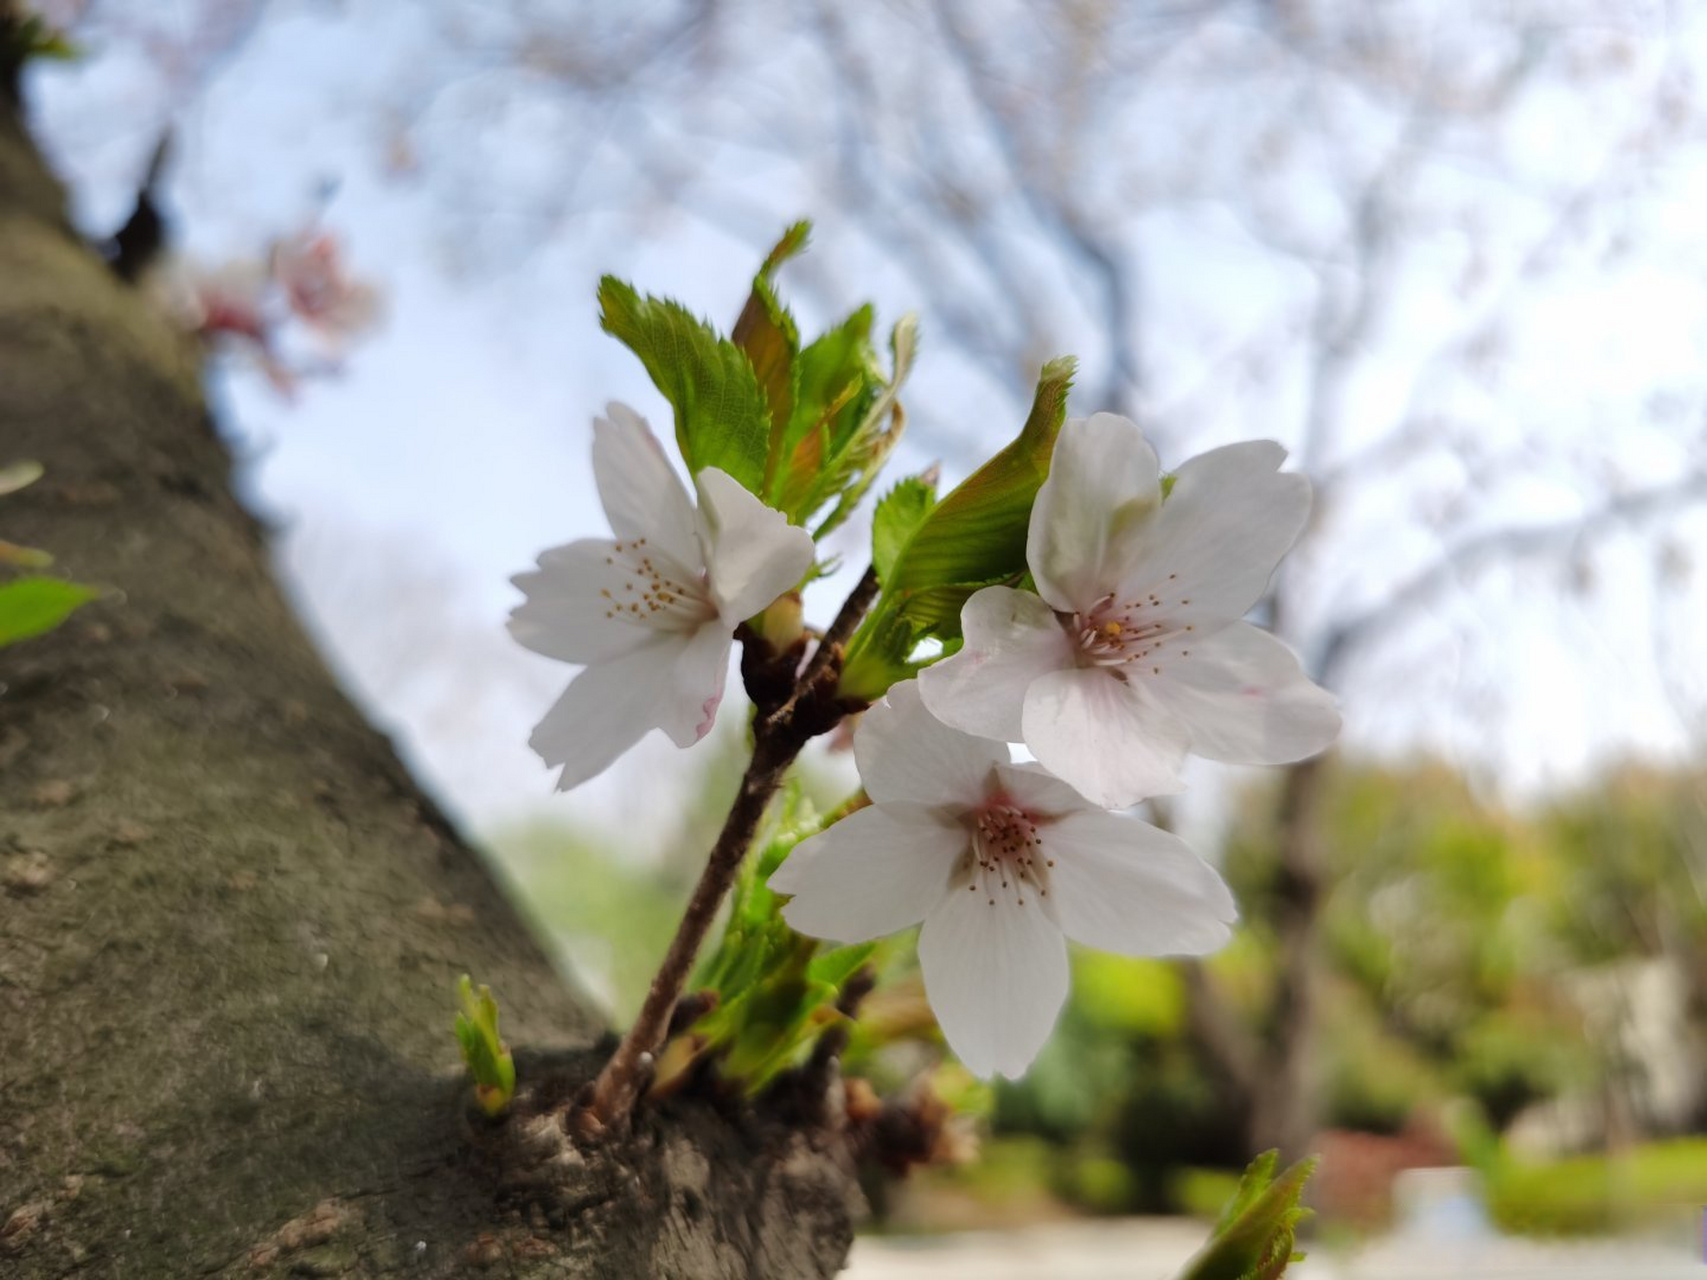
point(1254, 1239)
point(32, 604)
point(487, 1056)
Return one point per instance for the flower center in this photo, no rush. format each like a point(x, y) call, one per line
point(1006, 859)
point(652, 589)
point(1114, 633)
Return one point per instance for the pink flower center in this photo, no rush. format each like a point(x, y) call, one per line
point(652, 589)
point(1114, 633)
point(1006, 858)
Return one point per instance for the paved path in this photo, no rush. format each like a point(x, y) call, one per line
point(1154, 1249)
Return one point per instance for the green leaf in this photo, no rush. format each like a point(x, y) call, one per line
point(766, 332)
point(838, 379)
point(880, 654)
point(897, 518)
point(935, 611)
point(31, 606)
point(977, 533)
point(792, 243)
point(834, 967)
point(483, 1051)
point(1255, 1236)
point(855, 462)
point(776, 990)
point(973, 538)
point(722, 419)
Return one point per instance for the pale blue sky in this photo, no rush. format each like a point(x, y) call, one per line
point(454, 447)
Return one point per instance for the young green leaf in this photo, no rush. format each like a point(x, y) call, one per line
point(31, 606)
point(973, 538)
point(486, 1055)
point(880, 653)
point(856, 461)
point(722, 419)
point(897, 518)
point(766, 332)
point(1255, 1236)
point(977, 533)
point(839, 377)
point(775, 991)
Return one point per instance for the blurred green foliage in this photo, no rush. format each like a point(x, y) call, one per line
point(609, 906)
point(1455, 936)
point(1441, 968)
point(1594, 1193)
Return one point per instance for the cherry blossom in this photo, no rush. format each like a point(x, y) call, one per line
point(318, 289)
point(652, 613)
point(1131, 653)
point(1003, 863)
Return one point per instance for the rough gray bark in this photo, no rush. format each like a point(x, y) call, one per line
point(230, 924)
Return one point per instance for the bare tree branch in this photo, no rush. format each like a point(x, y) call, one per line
point(1345, 639)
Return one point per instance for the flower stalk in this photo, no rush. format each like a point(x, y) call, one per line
point(780, 731)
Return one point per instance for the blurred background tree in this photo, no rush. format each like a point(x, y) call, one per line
point(1447, 253)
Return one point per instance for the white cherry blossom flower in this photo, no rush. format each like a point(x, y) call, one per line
point(1003, 863)
point(653, 612)
point(1132, 653)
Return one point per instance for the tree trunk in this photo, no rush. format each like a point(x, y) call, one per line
point(1283, 1112)
point(230, 925)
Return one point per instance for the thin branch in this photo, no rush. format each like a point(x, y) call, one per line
point(852, 612)
point(1497, 545)
point(778, 738)
point(621, 1082)
point(1227, 1041)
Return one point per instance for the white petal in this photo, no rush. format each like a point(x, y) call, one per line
point(1099, 734)
point(565, 616)
point(1012, 637)
point(1121, 885)
point(1040, 793)
point(753, 553)
point(1244, 699)
point(1231, 516)
point(996, 976)
point(606, 710)
point(878, 870)
point(1103, 490)
point(696, 680)
point(905, 753)
point(642, 495)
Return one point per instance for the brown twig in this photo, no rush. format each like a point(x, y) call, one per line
point(618, 1085)
point(777, 739)
point(830, 646)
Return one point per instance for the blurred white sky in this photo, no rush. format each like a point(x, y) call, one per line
point(454, 446)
